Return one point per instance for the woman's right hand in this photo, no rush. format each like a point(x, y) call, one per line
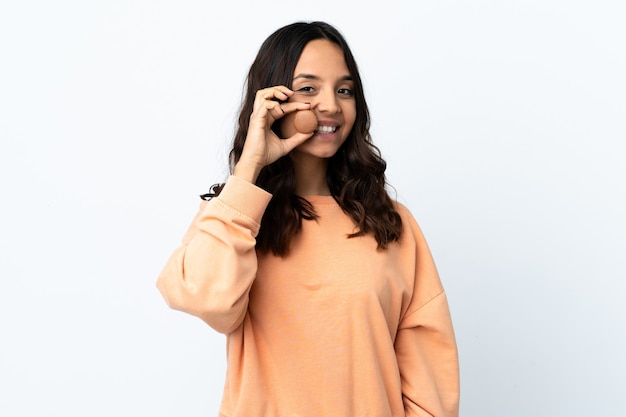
point(263, 146)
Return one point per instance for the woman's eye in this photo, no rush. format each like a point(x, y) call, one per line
point(345, 91)
point(306, 89)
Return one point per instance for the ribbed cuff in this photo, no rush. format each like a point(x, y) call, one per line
point(245, 197)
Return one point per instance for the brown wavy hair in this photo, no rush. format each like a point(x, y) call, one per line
point(355, 174)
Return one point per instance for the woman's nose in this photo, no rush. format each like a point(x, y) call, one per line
point(326, 102)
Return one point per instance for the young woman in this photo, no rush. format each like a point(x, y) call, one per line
point(324, 286)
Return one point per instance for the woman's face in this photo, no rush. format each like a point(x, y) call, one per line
point(322, 79)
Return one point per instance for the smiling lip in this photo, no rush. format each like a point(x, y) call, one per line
point(327, 127)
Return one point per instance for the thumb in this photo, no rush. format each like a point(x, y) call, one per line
point(297, 139)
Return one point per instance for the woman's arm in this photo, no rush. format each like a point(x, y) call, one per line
point(425, 344)
point(210, 274)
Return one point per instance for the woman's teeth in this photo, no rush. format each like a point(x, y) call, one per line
point(326, 129)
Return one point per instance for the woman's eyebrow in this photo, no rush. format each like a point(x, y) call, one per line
point(315, 77)
point(306, 77)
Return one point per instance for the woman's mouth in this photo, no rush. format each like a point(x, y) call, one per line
point(326, 129)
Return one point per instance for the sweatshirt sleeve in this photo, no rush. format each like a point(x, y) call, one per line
point(425, 343)
point(210, 274)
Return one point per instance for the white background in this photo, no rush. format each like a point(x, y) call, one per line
point(503, 123)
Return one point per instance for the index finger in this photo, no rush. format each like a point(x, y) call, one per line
point(279, 92)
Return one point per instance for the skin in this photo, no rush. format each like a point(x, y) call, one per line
point(322, 84)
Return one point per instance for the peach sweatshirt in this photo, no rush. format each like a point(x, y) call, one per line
point(336, 329)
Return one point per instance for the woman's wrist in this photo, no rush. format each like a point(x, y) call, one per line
point(247, 171)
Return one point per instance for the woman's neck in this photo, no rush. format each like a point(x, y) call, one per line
point(310, 175)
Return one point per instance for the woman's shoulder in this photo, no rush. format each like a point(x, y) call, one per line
point(403, 210)
point(409, 223)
